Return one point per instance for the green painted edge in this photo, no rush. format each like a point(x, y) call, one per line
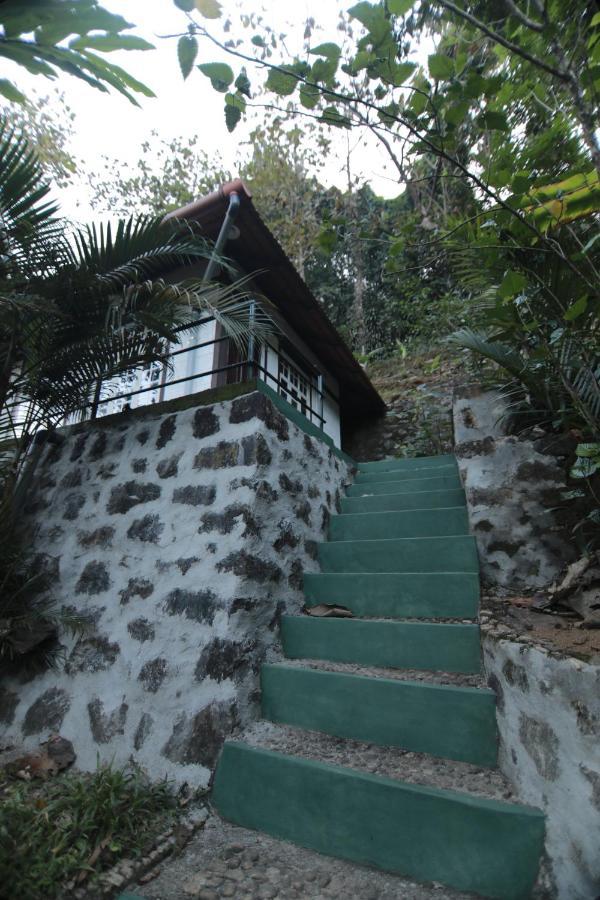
point(301, 421)
point(397, 595)
point(386, 554)
point(402, 645)
point(402, 475)
point(409, 486)
point(385, 711)
point(409, 500)
point(404, 462)
point(450, 521)
point(474, 844)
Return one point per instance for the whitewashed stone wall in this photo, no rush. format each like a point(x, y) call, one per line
point(183, 536)
point(548, 712)
point(514, 488)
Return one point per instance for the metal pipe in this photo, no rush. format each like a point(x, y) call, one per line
point(228, 221)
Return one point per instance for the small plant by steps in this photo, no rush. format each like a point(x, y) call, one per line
point(75, 826)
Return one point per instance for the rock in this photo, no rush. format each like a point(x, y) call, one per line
point(147, 529)
point(224, 455)
point(205, 422)
point(47, 712)
point(124, 497)
point(166, 431)
point(195, 495)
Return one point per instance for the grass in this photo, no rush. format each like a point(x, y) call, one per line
point(75, 826)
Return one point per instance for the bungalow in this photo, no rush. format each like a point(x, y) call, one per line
point(306, 362)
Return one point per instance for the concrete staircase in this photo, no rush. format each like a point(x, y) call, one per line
point(395, 695)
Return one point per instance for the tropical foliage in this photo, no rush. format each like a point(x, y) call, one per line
point(50, 37)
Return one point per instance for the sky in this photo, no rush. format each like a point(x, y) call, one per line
point(107, 124)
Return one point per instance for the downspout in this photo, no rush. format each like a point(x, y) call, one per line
point(228, 221)
point(211, 270)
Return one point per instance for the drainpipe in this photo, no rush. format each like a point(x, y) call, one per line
point(230, 217)
point(211, 270)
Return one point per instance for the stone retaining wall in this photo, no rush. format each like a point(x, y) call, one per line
point(548, 711)
point(183, 536)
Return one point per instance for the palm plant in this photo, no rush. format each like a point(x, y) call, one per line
point(76, 307)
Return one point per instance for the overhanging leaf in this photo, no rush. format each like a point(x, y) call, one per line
point(187, 51)
point(512, 283)
point(220, 74)
point(400, 7)
point(441, 67)
point(210, 9)
point(576, 309)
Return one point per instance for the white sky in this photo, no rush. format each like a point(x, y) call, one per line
point(109, 124)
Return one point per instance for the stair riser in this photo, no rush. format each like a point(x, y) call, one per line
point(397, 502)
point(430, 835)
point(443, 648)
point(409, 595)
point(436, 483)
point(451, 722)
point(417, 462)
point(436, 554)
point(414, 523)
point(401, 475)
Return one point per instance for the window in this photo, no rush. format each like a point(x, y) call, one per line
point(294, 386)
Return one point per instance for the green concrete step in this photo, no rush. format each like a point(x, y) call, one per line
point(406, 463)
point(414, 500)
point(473, 844)
point(397, 595)
point(431, 483)
point(427, 554)
point(400, 645)
point(406, 475)
point(399, 524)
point(443, 720)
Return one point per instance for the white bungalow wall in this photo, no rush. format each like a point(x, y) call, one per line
point(204, 359)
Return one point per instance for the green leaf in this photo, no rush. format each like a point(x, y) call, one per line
point(456, 113)
point(576, 309)
point(220, 74)
point(492, 121)
point(187, 51)
point(400, 7)
point(441, 67)
point(588, 450)
point(235, 105)
point(393, 73)
point(520, 183)
point(332, 116)
point(329, 50)
point(8, 90)
point(513, 283)
point(242, 83)
point(309, 96)
point(595, 20)
point(109, 43)
point(373, 17)
point(210, 9)
point(185, 5)
point(258, 41)
point(282, 82)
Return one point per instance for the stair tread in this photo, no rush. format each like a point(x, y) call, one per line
point(407, 766)
point(436, 679)
point(472, 843)
point(420, 645)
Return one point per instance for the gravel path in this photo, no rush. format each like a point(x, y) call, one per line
point(227, 861)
